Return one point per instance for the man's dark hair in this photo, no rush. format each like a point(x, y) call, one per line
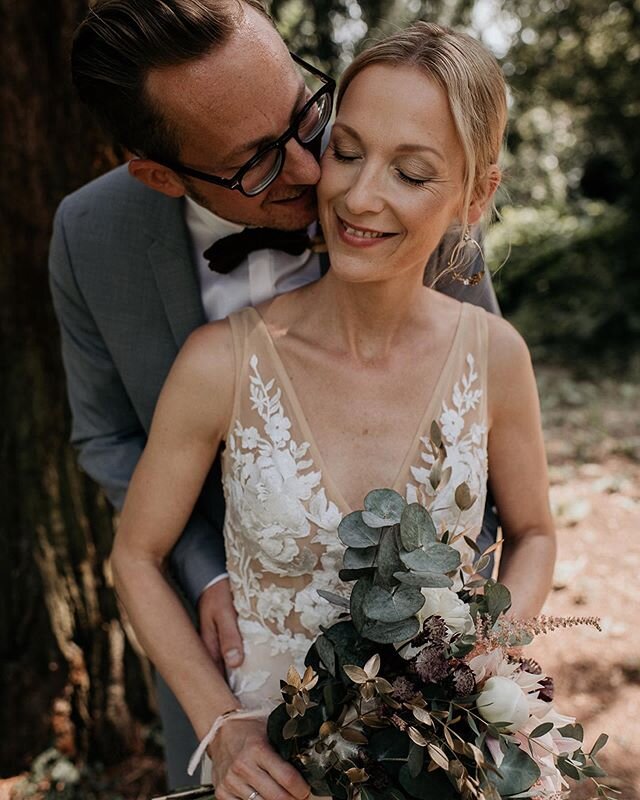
point(120, 41)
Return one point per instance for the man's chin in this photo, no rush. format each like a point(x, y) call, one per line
point(292, 212)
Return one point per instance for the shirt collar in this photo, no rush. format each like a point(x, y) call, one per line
point(205, 227)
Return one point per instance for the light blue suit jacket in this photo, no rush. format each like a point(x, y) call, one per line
point(127, 296)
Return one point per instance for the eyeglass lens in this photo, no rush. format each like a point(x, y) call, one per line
point(264, 171)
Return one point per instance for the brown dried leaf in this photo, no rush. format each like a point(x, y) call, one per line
point(438, 756)
point(372, 667)
point(422, 715)
point(355, 673)
point(353, 735)
point(416, 736)
point(327, 728)
point(356, 775)
point(290, 728)
point(383, 686)
point(448, 737)
point(293, 678)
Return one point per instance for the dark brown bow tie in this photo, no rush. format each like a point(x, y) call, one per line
point(225, 254)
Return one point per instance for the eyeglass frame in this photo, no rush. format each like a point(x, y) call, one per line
point(279, 144)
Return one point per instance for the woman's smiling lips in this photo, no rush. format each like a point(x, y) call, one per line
point(357, 236)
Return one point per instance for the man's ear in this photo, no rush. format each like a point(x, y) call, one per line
point(483, 194)
point(155, 176)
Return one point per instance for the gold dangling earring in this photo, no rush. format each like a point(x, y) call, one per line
point(457, 261)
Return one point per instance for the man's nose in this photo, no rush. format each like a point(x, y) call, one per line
point(300, 165)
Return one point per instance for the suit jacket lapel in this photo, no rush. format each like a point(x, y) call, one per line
point(173, 268)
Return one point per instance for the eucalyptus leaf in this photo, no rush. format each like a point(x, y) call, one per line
point(385, 606)
point(334, 599)
point(600, 743)
point(574, 731)
point(497, 598)
point(388, 558)
point(429, 580)
point(518, 771)
point(415, 762)
point(463, 497)
point(347, 575)
point(354, 532)
point(567, 768)
point(360, 557)
point(358, 596)
point(416, 527)
point(540, 730)
point(327, 654)
point(385, 504)
point(388, 744)
point(433, 785)
point(391, 633)
point(593, 771)
point(434, 557)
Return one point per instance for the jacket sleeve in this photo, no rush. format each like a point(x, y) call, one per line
point(105, 428)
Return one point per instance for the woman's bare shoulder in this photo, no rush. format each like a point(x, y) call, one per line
point(201, 380)
point(510, 372)
point(507, 347)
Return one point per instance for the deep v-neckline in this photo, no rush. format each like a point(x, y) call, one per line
point(294, 401)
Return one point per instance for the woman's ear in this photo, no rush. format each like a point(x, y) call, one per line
point(483, 194)
point(155, 176)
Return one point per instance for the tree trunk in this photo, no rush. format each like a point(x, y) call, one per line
point(68, 672)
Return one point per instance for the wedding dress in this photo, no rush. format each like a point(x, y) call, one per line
point(283, 509)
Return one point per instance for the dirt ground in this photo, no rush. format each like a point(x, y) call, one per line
point(592, 432)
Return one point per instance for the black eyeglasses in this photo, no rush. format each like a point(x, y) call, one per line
point(263, 168)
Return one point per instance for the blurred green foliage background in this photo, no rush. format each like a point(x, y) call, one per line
point(565, 250)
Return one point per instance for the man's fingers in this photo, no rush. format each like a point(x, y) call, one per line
point(209, 636)
point(230, 641)
point(218, 624)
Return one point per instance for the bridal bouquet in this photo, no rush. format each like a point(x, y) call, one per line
point(420, 689)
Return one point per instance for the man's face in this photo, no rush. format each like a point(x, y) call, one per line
point(229, 104)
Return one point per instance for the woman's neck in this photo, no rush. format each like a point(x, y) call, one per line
point(366, 320)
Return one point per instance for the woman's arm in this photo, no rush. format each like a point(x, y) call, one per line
point(189, 422)
point(191, 418)
point(518, 471)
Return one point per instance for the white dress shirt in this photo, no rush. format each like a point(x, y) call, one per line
point(263, 274)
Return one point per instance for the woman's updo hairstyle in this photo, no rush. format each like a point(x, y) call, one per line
point(471, 78)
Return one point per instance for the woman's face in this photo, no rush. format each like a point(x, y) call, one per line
point(392, 175)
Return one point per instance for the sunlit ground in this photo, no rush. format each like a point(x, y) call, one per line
point(593, 443)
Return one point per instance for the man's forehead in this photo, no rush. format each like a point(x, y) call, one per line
point(235, 94)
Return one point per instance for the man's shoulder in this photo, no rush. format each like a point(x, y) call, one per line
point(116, 210)
point(117, 184)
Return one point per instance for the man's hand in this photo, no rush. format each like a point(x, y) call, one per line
point(245, 765)
point(219, 626)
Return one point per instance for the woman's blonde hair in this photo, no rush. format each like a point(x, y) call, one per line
point(472, 80)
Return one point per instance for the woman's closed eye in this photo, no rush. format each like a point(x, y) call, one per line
point(343, 155)
point(411, 180)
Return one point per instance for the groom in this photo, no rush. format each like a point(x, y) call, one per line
point(145, 254)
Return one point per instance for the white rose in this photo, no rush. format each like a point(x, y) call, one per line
point(502, 700)
point(446, 604)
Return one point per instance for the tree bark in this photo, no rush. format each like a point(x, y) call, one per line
point(67, 669)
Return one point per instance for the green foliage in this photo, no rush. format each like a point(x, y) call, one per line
point(570, 285)
point(392, 553)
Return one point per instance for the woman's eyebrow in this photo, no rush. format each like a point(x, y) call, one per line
point(401, 148)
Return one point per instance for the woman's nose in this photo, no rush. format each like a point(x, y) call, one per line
point(364, 195)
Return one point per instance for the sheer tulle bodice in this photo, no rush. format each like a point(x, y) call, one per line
point(283, 510)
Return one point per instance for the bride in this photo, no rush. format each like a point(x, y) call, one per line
point(329, 391)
